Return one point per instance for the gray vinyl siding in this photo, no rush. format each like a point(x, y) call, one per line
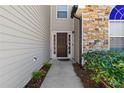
point(24, 33)
point(117, 42)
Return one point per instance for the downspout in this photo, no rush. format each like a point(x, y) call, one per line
point(76, 17)
point(80, 44)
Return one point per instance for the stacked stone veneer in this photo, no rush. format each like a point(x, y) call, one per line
point(95, 27)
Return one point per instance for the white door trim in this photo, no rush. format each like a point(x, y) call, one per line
point(54, 48)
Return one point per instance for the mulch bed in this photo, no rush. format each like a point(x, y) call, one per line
point(85, 76)
point(33, 83)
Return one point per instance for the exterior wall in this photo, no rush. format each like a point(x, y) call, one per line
point(76, 40)
point(117, 35)
point(61, 24)
point(116, 28)
point(24, 33)
point(117, 43)
point(95, 28)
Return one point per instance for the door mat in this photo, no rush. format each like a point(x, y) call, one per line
point(63, 59)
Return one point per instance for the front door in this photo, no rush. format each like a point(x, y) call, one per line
point(61, 44)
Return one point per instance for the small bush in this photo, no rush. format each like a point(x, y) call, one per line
point(38, 74)
point(46, 65)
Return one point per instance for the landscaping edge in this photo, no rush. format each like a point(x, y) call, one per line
point(37, 83)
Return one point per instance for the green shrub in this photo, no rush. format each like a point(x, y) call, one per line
point(107, 65)
point(46, 65)
point(38, 74)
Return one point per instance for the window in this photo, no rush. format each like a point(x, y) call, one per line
point(117, 13)
point(117, 28)
point(61, 11)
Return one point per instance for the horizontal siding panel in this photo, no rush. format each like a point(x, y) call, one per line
point(24, 33)
point(11, 60)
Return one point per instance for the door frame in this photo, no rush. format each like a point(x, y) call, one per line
point(54, 48)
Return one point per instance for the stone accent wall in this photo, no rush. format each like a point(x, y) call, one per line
point(95, 27)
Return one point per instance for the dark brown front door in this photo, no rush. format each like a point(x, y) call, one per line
point(61, 44)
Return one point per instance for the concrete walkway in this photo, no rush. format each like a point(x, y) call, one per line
point(61, 75)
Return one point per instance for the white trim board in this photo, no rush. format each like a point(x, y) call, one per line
point(116, 36)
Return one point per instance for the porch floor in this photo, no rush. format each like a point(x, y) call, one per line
point(61, 75)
